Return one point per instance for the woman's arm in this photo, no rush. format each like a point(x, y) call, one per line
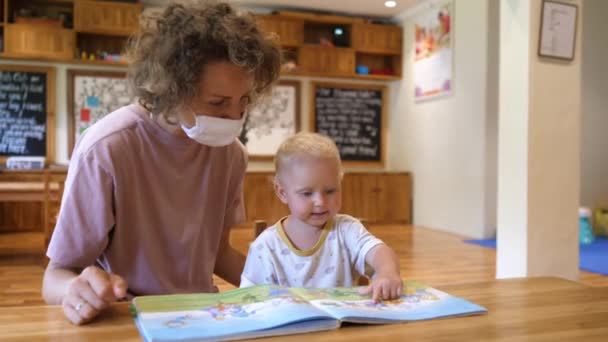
point(229, 263)
point(55, 283)
point(82, 296)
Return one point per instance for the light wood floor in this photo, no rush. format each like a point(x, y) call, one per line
point(432, 257)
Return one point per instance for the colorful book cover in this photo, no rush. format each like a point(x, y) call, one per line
point(268, 310)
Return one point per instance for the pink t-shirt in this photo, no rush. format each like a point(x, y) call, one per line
point(148, 205)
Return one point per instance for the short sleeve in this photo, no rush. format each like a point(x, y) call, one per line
point(258, 266)
point(359, 241)
point(235, 210)
point(86, 216)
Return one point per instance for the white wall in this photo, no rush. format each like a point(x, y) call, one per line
point(539, 150)
point(594, 144)
point(513, 144)
point(449, 144)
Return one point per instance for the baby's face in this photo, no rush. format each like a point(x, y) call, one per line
point(311, 188)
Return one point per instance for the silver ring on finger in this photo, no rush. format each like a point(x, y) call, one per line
point(80, 305)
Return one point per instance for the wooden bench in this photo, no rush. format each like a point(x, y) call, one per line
point(45, 186)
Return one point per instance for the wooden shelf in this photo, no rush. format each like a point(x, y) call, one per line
point(377, 52)
point(98, 27)
point(375, 46)
point(62, 60)
point(321, 18)
point(319, 46)
point(53, 2)
point(98, 62)
point(357, 76)
point(111, 33)
point(125, 64)
point(377, 77)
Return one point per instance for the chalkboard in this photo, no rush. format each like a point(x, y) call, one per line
point(353, 116)
point(27, 104)
point(91, 96)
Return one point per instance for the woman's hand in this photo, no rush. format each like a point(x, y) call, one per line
point(91, 292)
point(384, 287)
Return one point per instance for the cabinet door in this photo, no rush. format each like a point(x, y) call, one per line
point(290, 31)
point(39, 41)
point(394, 197)
point(106, 17)
point(377, 38)
point(351, 195)
point(377, 197)
point(331, 61)
point(257, 193)
point(369, 204)
point(261, 203)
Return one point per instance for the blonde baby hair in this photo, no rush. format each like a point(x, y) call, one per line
point(306, 144)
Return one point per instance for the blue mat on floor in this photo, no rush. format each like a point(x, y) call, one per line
point(593, 257)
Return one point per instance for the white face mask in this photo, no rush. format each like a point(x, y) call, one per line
point(214, 131)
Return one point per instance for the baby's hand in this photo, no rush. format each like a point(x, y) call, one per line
point(384, 287)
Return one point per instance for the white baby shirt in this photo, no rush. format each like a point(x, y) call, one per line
point(338, 258)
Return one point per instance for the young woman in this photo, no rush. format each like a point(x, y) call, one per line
point(154, 188)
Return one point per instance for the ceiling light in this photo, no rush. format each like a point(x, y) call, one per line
point(390, 3)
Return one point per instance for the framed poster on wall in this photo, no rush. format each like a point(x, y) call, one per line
point(433, 62)
point(91, 96)
point(272, 120)
point(557, 30)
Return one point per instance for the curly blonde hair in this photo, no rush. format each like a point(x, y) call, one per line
point(306, 144)
point(168, 54)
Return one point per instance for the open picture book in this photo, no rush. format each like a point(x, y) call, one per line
point(268, 310)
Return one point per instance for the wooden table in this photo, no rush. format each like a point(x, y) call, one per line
point(531, 309)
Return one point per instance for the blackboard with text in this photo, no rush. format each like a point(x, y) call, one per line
point(353, 116)
point(26, 106)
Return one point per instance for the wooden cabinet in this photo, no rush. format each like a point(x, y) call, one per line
point(290, 31)
point(23, 40)
point(315, 59)
point(375, 197)
point(261, 203)
point(308, 38)
point(393, 192)
point(378, 47)
point(101, 29)
point(67, 29)
point(381, 39)
point(109, 18)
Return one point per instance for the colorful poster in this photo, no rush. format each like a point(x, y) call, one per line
point(95, 97)
point(433, 32)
